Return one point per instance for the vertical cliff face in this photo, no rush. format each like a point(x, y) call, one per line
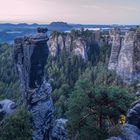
point(80, 48)
point(125, 68)
point(129, 60)
point(125, 59)
point(116, 46)
point(76, 46)
point(30, 54)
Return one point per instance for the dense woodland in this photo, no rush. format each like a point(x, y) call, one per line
point(86, 93)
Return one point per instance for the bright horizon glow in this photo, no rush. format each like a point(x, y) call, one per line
point(71, 11)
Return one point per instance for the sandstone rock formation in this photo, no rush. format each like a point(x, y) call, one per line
point(6, 107)
point(77, 42)
point(30, 55)
point(76, 46)
point(125, 58)
point(133, 114)
point(131, 130)
point(59, 130)
point(116, 46)
point(126, 64)
point(128, 132)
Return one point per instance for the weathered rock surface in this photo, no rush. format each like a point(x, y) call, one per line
point(77, 42)
point(133, 114)
point(125, 58)
point(125, 68)
point(59, 131)
point(116, 46)
point(53, 46)
point(76, 46)
point(6, 107)
point(30, 58)
point(114, 138)
point(41, 108)
point(131, 130)
point(128, 132)
point(80, 48)
point(30, 55)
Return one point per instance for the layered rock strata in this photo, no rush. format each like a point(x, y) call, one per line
point(30, 55)
point(116, 46)
point(125, 58)
point(76, 46)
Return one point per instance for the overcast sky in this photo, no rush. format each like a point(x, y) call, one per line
point(71, 11)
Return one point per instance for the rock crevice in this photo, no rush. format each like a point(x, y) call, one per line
point(30, 55)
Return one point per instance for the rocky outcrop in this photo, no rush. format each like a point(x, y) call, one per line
point(6, 107)
point(77, 42)
point(30, 55)
point(116, 46)
point(125, 60)
point(79, 48)
point(41, 108)
point(59, 131)
point(128, 132)
point(125, 67)
point(131, 130)
point(59, 42)
point(133, 114)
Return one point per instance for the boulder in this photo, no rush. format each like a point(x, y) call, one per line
point(59, 131)
point(7, 107)
point(130, 132)
point(133, 114)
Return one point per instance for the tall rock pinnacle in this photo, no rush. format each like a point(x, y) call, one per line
point(30, 55)
point(116, 46)
point(129, 59)
point(125, 58)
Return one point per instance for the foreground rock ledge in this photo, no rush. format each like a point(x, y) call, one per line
point(131, 130)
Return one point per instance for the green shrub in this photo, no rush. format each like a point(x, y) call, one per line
point(16, 126)
point(92, 110)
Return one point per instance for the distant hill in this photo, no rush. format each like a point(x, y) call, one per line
point(10, 31)
point(60, 26)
